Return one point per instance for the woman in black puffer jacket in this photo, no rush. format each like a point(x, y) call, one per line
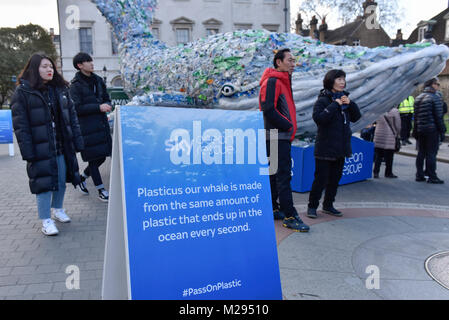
point(48, 134)
point(333, 112)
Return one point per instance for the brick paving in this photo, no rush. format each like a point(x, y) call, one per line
point(33, 266)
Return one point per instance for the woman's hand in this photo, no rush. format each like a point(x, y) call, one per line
point(105, 108)
point(345, 100)
point(339, 101)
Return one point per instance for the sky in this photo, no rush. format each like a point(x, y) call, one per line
point(45, 13)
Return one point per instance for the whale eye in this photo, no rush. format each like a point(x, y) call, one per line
point(227, 90)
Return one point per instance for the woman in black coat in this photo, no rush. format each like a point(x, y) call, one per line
point(333, 112)
point(48, 134)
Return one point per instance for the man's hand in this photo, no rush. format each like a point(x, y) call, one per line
point(105, 107)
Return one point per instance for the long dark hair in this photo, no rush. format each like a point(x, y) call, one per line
point(31, 73)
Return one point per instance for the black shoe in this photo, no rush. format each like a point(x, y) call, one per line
point(332, 211)
point(81, 187)
point(408, 141)
point(278, 215)
point(404, 143)
point(435, 181)
point(311, 213)
point(295, 224)
point(103, 195)
point(375, 175)
point(420, 179)
point(390, 176)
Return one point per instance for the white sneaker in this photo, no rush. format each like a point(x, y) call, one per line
point(61, 216)
point(49, 228)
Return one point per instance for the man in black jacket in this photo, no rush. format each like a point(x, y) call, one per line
point(92, 103)
point(429, 130)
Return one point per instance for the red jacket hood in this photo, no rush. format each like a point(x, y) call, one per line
point(273, 73)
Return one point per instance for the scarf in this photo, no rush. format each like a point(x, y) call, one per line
point(338, 95)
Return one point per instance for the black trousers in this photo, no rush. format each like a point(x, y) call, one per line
point(280, 181)
point(428, 144)
point(406, 125)
point(380, 154)
point(93, 170)
point(327, 176)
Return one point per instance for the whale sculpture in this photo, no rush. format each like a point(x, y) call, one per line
point(223, 70)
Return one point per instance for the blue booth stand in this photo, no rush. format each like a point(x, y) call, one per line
point(357, 168)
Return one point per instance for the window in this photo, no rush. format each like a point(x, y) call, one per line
point(212, 26)
point(182, 36)
point(86, 40)
point(117, 82)
point(356, 43)
point(183, 28)
point(421, 33)
point(211, 31)
point(156, 34)
point(271, 27)
point(447, 30)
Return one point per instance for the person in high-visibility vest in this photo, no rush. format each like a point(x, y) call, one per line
point(406, 109)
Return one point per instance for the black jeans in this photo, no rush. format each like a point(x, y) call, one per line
point(93, 170)
point(388, 156)
point(280, 182)
point(406, 125)
point(327, 176)
point(428, 144)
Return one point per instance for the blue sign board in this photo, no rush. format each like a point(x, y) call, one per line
point(357, 168)
point(198, 214)
point(6, 127)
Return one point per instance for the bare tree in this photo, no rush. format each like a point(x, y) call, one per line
point(388, 13)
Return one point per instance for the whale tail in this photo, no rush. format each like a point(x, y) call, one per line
point(128, 18)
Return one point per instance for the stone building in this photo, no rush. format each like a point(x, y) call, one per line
point(176, 22)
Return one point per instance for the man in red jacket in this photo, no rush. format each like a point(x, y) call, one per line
point(279, 112)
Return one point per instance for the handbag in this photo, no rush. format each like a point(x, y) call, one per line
point(397, 145)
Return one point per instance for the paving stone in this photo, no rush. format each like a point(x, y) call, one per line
point(39, 288)
point(24, 249)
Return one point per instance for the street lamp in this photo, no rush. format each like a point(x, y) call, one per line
point(105, 73)
point(286, 16)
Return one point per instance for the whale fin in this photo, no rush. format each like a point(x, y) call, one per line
point(128, 18)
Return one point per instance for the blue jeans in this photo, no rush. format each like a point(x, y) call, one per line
point(53, 199)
